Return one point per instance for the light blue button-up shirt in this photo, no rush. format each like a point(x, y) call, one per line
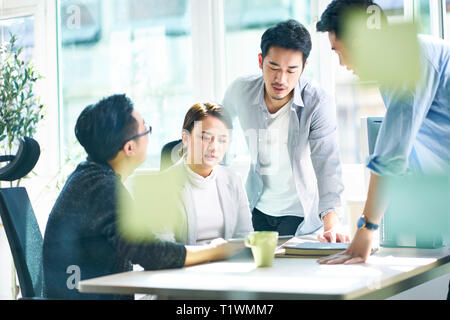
point(312, 145)
point(415, 133)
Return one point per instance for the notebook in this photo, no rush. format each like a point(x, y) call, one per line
point(315, 248)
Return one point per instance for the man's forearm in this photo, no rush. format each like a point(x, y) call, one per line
point(376, 202)
point(330, 220)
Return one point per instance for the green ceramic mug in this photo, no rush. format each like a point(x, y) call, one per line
point(263, 245)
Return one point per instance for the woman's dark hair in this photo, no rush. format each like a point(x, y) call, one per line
point(289, 34)
point(333, 19)
point(104, 127)
point(200, 111)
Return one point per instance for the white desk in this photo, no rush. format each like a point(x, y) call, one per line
point(386, 273)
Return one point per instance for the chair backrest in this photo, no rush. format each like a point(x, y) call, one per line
point(170, 154)
point(25, 239)
point(23, 162)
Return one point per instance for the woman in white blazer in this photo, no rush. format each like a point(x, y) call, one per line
point(211, 200)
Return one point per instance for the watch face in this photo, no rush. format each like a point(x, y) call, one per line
point(361, 222)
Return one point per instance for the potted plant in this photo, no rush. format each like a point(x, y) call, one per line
point(20, 108)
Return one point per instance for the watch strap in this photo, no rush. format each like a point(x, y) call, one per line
point(363, 223)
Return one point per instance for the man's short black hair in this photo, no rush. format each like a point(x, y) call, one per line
point(104, 127)
point(288, 34)
point(333, 18)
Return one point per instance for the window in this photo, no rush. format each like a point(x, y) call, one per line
point(431, 17)
point(447, 34)
point(24, 18)
point(245, 23)
point(422, 15)
point(23, 28)
point(33, 22)
point(137, 47)
point(394, 9)
point(356, 100)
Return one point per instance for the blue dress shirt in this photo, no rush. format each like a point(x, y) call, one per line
point(415, 133)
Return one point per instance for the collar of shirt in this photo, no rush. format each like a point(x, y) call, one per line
point(283, 111)
point(297, 101)
point(197, 180)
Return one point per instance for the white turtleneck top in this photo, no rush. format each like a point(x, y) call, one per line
point(208, 211)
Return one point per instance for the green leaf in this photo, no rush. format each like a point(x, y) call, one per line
point(20, 110)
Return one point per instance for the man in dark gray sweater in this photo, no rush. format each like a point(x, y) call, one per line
point(83, 239)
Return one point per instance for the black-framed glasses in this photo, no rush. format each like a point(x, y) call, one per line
point(148, 131)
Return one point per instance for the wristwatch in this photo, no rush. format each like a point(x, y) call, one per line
point(363, 223)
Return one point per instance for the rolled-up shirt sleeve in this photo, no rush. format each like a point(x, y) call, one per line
point(406, 110)
point(325, 156)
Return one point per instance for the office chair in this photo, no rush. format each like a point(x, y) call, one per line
point(170, 154)
point(21, 227)
point(22, 163)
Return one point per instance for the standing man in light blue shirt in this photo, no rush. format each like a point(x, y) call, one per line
point(415, 134)
point(294, 184)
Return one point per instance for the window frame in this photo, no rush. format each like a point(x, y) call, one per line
point(446, 23)
point(438, 14)
point(208, 46)
point(45, 55)
point(208, 37)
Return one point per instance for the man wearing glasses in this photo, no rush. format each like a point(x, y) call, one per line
point(83, 238)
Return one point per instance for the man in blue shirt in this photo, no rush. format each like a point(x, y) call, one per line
point(415, 134)
point(294, 184)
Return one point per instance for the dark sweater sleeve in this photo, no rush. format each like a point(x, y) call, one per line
point(150, 254)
